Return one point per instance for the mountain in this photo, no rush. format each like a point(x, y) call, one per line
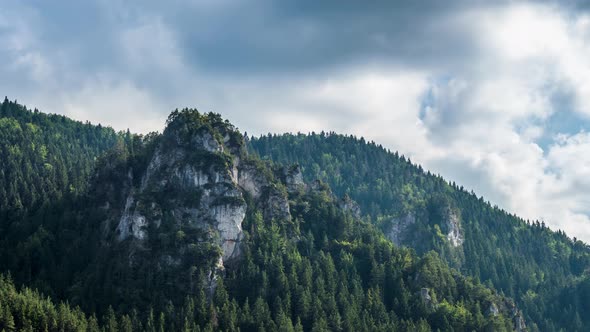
point(47, 161)
point(186, 230)
point(545, 272)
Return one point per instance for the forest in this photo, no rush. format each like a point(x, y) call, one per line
point(545, 272)
point(307, 260)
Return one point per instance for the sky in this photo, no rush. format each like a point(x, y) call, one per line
point(492, 95)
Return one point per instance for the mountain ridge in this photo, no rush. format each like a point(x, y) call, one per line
point(411, 206)
point(298, 237)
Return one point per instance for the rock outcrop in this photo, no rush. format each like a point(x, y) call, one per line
point(493, 310)
point(347, 204)
point(399, 227)
point(427, 300)
point(203, 195)
point(131, 223)
point(518, 320)
point(401, 231)
point(454, 233)
point(293, 179)
point(198, 178)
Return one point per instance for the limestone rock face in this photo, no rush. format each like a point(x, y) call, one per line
point(399, 228)
point(131, 223)
point(208, 198)
point(250, 180)
point(493, 310)
point(293, 179)
point(198, 179)
point(347, 204)
point(455, 234)
point(229, 224)
point(189, 181)
point(519, 323)
point(509, 309)
point(427, 299)
point(276, 206)
point(207, 142)
point(269, 198)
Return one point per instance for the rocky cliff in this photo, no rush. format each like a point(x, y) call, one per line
point(408, 228)
point(197, 178)
point(175, 207)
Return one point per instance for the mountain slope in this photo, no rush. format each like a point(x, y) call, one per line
point(201, 218)
point(47, 161)
point(45, 157)
point(188, 225)
point(526, 261)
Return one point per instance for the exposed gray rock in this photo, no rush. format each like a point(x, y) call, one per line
point(493, 310)
point(519, 323)
point(399, 228)
point(273, 202)
point(250, 180)
point(131, 223)
point(276, 206)
point(211, 196)
point(347, 204)
point(294, 179)
point(427, 299)
point(455, 234)
point(199, 182)
point(229, 224)
point(220, 204)
point(189, 176)
point(207, 142)
point(425, 295)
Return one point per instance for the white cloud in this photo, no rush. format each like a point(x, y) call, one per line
point(481, 126)
point(114, 103)
point(489, 123)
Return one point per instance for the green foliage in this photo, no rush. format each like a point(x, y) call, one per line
point(515, 256)
point(323, 270)
point(45, 157)
point(27, 310)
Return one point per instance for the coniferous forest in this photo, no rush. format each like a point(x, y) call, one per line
point(199, 228)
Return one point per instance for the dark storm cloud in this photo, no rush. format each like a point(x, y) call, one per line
point(306, 35)
point(265, 36)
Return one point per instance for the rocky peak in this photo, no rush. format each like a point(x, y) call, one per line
point(191, 180)
point(197, 178)
point(209, 132)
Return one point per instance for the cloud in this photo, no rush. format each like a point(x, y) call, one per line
point(492, 120)
point(492, 96)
